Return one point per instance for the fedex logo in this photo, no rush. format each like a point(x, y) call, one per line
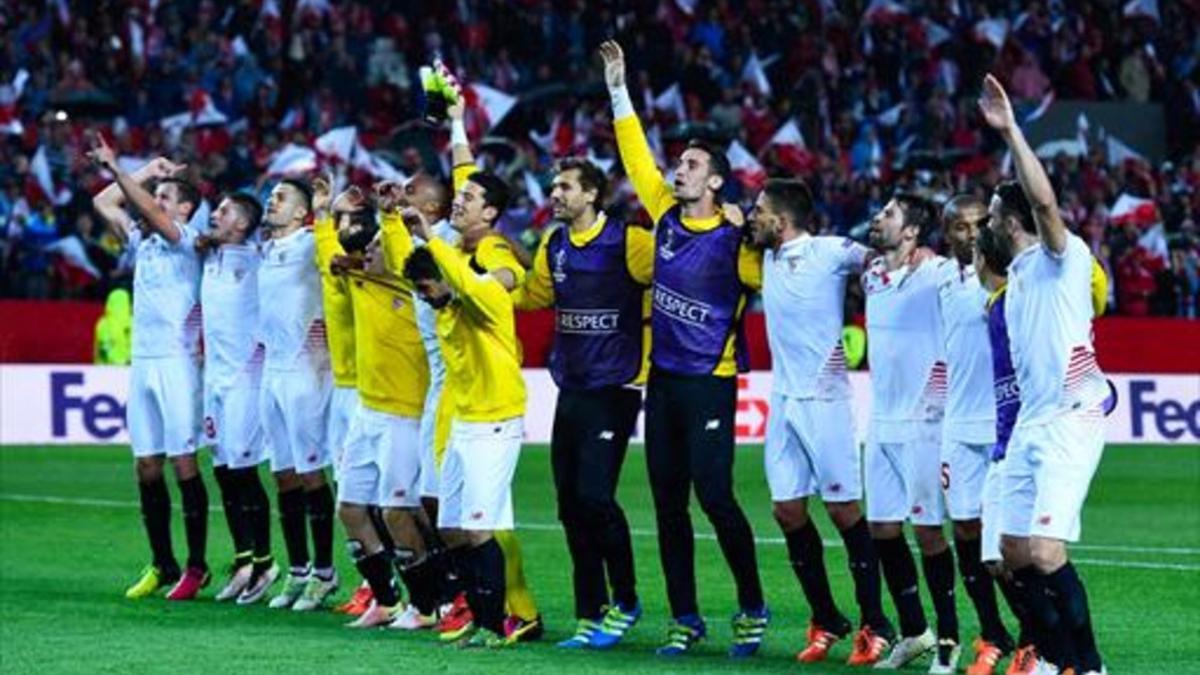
point(1172, 419)
point(103, 415)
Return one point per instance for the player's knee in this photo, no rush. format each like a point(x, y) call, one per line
point(287, 480)
point(312, 481)
point(185, 467)
point(353, 516)
point(843, 514)
point(1047, 555)
point(478, 537)
point(148, 469)
point(1015, 551)
point(791, 515)
point(883, 530)
point(931, 540)
point(967, 530)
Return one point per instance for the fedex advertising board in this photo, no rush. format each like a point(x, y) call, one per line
point(75, 404)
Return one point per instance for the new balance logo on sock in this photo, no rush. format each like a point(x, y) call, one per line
point(606, 435)
point(712, 425)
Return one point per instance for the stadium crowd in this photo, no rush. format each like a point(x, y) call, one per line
point(881, 93)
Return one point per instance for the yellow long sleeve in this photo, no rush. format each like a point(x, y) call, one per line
point(481, 293)
point(339, 307)
point(397, 242)
point(638, 160)
point(538, 290)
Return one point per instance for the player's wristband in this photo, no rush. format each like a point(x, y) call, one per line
point(458, 133)
point(622, 104)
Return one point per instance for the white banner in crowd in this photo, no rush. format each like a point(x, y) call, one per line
point(41, 404)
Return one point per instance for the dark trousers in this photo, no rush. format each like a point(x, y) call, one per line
point(590, 437)
point(690, 442)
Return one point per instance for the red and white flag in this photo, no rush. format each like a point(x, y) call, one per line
point(1119, 152)
point(1133, 210)
point(534, 189)
point(1146, 8)
point(492, 104)
point(790, 147)
point(994, 31)
point(745, 166)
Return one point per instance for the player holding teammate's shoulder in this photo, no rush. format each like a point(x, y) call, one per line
point(594, 271)
point(164, 385)
point(810, 447)
point(1059, 435)
point(702, 276)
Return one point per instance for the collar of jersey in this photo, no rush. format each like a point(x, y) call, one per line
point(584, 237)
point(795, 243)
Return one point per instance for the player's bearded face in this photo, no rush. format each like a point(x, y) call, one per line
point(1000, 225)
point(961, 232)
point(764, 223)
point(887, 227)
point(567, 197)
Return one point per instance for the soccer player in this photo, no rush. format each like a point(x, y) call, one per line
point(903, 466)
point(233, 359)
point(1058, 439)
point(164, 384)
point(969, 427)
point(478, 334)
point(702, 275)
point(296, 389)
point(339, 332)
point(810, 447)
point(594, 271)
point(382, 463)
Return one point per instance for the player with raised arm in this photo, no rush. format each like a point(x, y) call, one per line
point(594, 271)
point(703, 273)
point(903, 455)
point(1058, 438)
point(164, 384)
point(810, 446)
point(233, 359)
point(296, 389)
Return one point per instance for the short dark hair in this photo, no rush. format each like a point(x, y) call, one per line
point(421, 266)
point(495, 191)
point(249, 207)
point(716, 156)
point(960, 203)
point(1013, 202)
point(187, 191)
point(918, 212)
point(303, 188)
point(591, 177)
point(792, 196)
point(995, 255)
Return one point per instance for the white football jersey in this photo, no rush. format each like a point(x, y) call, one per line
point(229, 296)
point(290, 312)
point(804, 289)
point(905, 348)
point(971, 399)
point(166, 295)
point(1049, 314)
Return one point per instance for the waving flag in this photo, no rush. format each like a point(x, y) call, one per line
point(338, 143)
point(747, 169)
point(671, 101)
point(755, 74)
point(292, 159)
point(1133, 210)
point(493, 104)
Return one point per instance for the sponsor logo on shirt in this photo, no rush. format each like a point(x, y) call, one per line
point(666, 250)
point(560, 261)
point(588, 321)
point(680, 307)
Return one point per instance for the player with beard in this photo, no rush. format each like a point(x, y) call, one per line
point(594, 271)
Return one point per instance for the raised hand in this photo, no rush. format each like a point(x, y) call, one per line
point(614, 64)
point(102, 153)
point(351, 199)
point(389, 196)
point(995, 107)
point(322, 188)
point(417, 223)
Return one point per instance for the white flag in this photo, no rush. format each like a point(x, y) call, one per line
point(994, 31)
point(788, 134)
point(1146, 8)
point(891, 116)
point(754, 73)
point(534, 189)
point(494, 103)
point(338, 142)
point(1118, 152)
point(745, 166)
point(40, 167)
point(671, 100)
point(292, 159)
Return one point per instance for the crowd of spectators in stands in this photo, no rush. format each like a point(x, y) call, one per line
point(881, 92)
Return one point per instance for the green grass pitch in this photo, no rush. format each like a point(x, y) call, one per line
point(71, 540)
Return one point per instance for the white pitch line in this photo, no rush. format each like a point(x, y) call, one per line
point(637, 532)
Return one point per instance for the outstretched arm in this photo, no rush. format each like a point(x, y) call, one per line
point(636, 157)
point(131, 189)
point(998, 113)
